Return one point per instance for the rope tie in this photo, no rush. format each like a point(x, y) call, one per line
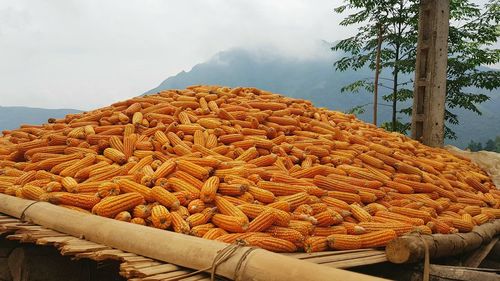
point(426, 273)
point(23, 213)
point(222, 256)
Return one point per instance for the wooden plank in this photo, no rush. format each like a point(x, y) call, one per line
point(163, 276)
point(346, 257)
point(461, 274)
point(480, 254)
point(357, 262)
point(155, 270)
point(328, 253)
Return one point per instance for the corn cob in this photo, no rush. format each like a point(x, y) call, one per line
point(263, 221)
point(131, 186)
point(83, 201)
point(425, 216)
point(179, 224)
point(377, 238)
point(111, 206)
point(344, 242)
point(230, 223)
point(115, 155)
point(179, 185)
point(315, 244)
point(123, 216)
point(214, 233)
point(196, 206)
point(201, 230)
point(164, 197)
point(227, 208)
point(161, 217)
point(141, 211)
point(286, 233)
point(209, 189)
point(272, 244)
point(108, 189)
point(359, 213)
point(32, 192)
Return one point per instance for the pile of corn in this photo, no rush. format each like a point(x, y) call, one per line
point(245, 164)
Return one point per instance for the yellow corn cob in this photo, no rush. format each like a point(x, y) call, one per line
point(315, 244)
point(344, 242)
point(261, 195)
point(200, 218)
point(129, 145)
point(425, 216)
point(227, 208)
point(32, 192)
point(400, 217)
point(164, 197)
point(359, 213)
point(111, 206)
point(196, 206)
point(328, 218)
point(115, 155)
point(141, 211)
point(139, 221)
point(460, 224)
point(377, 238)
point(84, 201)
point(295, 200)
point(108, 189)
point(127, 186)
point(399, 228)
point(69, 183)
point(272, 244)
point(214, 233)
point(201, 229)
point(80, 164)
point(123, 216)
point(471, 181)
point(179, 224)
point(230, 223)
point(161, 217)
point(116, 143)
point(209, 189)
point(286, 233)
point(179, 185)
point(481, 219)
point(326, 231)
point(189, 179)
point(263, 221)
point(193, 169)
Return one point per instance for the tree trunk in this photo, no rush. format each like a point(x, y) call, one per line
point(377, 73)
point(395, 90)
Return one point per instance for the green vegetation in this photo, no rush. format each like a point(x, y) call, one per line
point(473, 31)
point(490, 145)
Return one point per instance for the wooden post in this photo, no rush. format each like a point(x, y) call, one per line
point(429, 93)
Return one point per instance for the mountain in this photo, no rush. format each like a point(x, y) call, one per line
point(12, 117)
point(315, 79)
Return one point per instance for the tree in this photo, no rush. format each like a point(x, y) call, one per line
point(490, 145)
point(472, 32)
point(474, 146)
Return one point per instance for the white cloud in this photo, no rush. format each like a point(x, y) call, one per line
point(85, 54)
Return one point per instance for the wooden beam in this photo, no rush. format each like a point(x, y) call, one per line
point(429, 93)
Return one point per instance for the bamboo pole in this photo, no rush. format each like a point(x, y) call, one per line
point(411, 248)
point(171, 247)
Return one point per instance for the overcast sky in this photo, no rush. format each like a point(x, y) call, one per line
point(85, 54)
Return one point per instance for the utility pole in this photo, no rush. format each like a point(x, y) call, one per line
point(429, 95)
